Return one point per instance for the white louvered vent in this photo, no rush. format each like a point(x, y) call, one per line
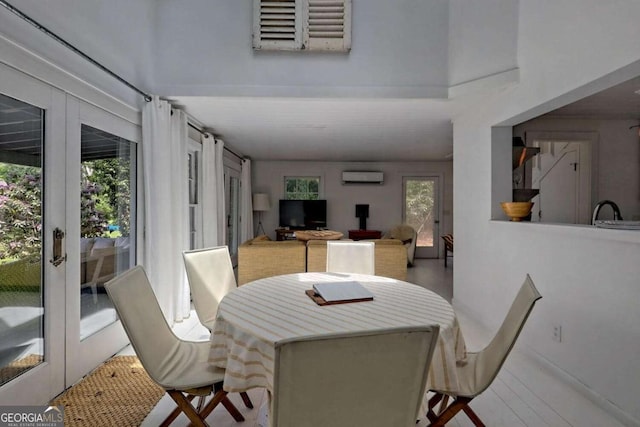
point(302, 24)
point(327, 25)
point(276, 25)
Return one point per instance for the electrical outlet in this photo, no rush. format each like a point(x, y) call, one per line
point(557, 333)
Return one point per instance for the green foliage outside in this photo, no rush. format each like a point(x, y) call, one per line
point(105, 196)
point(20, 212)
point(304, 188)
point(419, 203)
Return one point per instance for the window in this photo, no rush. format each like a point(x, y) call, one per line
point(195, 191)
point(232, 171)
point(301, 187)
point(302, 25)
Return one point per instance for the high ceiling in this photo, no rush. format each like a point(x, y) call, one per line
point(329, 129)
point(365, 129)
point(321, 128)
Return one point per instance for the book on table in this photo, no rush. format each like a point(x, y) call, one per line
point(342, 291)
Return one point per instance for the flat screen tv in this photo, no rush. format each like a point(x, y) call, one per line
point(303, 214)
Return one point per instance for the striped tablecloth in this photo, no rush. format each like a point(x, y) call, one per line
point(253, 317)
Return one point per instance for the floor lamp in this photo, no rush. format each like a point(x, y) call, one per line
point(260, 204)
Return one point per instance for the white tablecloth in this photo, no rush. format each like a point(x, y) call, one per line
point(252, 318)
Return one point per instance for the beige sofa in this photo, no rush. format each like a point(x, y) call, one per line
point(390, 257)
point(259, 258)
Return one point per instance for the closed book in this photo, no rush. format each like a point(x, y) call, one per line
point(342, 291)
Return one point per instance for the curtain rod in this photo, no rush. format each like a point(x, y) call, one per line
point(206, 135)
point(68, 45)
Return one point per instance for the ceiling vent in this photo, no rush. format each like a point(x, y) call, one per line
point(362, 177)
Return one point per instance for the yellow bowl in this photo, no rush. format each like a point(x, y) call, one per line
point(516, 210)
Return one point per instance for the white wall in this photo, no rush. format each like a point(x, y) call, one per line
point(118, 34)
point(616, 158)
point(385, 201)
point(204, 48)
point(483, 38)
point(588, 277)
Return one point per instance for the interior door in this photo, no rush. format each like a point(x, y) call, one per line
point(422, 211)
point(32, 206)
point(562, 172)
point(101, 229)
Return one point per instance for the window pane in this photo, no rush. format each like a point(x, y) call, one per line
point(302, 188)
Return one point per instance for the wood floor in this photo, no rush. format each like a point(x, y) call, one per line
point(525, 393)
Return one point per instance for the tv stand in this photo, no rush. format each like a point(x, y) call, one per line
point(284, 234)
point(365, 234)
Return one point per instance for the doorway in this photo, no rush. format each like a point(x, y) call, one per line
point(562, 172)
point(67, 225)
point(421, 210)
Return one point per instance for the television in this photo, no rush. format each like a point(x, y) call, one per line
point(303, 214)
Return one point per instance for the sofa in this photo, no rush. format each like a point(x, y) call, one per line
point(390, 257)
point(261, 257)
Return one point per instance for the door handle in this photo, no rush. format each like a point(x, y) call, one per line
point(58, 258)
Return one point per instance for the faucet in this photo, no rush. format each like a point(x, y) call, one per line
point(600, 204)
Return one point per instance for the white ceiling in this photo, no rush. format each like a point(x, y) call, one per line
point(618, 102)
point(328, 129)
point(364, 129)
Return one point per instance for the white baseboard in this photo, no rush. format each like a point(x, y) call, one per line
point(540, 361)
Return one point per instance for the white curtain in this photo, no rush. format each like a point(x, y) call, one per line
point(213, 206)
point(180, 143)
point(165, 205)
point(246, 208)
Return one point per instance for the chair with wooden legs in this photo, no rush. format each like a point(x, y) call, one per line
point(482, 367)
point(351, 257)
point(334, 380)
point(180, 367)
point(211, 277)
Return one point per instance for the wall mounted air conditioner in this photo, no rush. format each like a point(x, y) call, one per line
point(362, 177)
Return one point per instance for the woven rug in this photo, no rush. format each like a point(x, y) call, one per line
point(17, 367)
point(118, 393)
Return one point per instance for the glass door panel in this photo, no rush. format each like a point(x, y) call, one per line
point(232, 207)
point(421, 211)
point(21, 290)
point(105, 222)
point(32, 289)
point(101, 225)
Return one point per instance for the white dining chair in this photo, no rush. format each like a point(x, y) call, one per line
point(482, 367)
point(374, 379)
point(210, 275)
point(181, 367)
point(351, 257)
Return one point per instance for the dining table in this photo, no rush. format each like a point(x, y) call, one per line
point(252, 318)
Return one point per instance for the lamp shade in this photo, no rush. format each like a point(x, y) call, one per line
point(261, 202)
